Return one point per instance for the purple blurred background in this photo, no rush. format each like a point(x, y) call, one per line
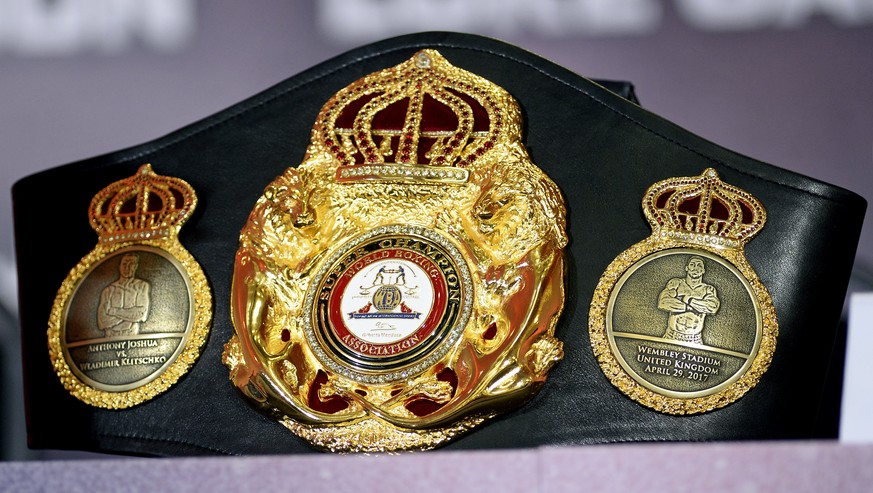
point(789, 82)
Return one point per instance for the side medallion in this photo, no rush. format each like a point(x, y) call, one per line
point(130, 319)
point(402, 285)
point(680, 322)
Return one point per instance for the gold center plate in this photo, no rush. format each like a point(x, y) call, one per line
point(382, 253)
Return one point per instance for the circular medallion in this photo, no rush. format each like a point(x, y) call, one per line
point(128, 319)
point(684, 323)
point(389, 303)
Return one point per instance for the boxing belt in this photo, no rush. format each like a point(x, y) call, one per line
point(601, 149)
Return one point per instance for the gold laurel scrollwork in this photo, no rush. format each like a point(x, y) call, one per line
point(544, 353)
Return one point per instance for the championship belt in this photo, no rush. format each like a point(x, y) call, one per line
point(402, 285)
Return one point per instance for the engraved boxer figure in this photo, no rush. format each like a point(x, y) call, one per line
point(688, 300)
point(124, 304)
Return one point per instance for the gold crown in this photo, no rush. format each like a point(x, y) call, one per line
point(703, 210)
point(143, 206)
point(424, 120)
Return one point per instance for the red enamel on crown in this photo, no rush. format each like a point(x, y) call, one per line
point(143, 206)
point(703, 209)
point(423, 120)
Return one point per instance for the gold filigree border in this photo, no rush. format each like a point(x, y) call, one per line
point(630, 387)
point(196, 338)
point(371, 434)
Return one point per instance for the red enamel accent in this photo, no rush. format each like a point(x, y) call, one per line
point(690, 206)
point(391, 118)
point(748, 215)
point(346, 118)
point(719, 210)
point(661, 200)
point(330, 406)
point(491, 332)
point(423, 407)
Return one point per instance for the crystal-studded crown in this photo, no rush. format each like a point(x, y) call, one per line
point(143, 206)
point(424, 120)
point(703, 210)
